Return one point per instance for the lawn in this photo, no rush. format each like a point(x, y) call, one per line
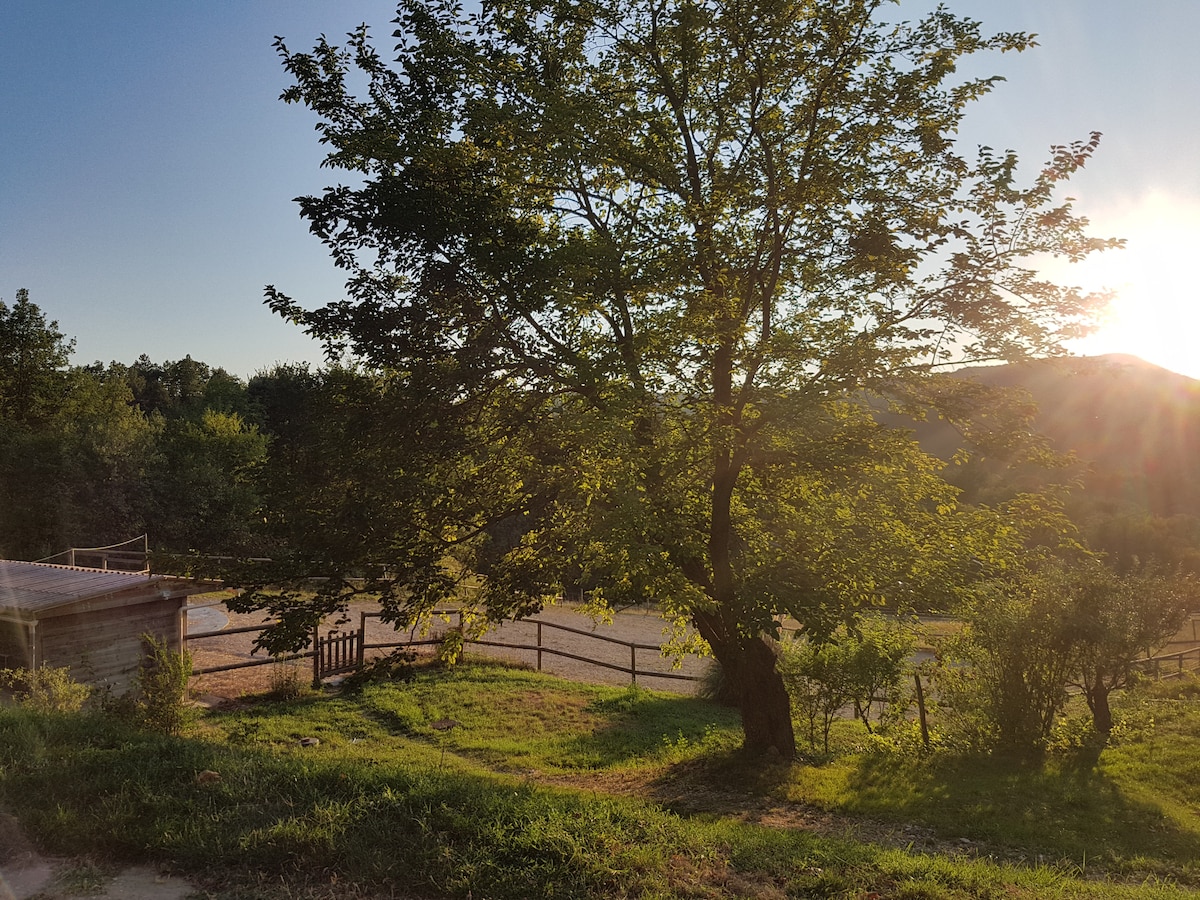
point(547, 788)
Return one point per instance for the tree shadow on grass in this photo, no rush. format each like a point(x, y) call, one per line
point(1046, 812)
point(725, 781)
point(637, 726)
point(1046, 809)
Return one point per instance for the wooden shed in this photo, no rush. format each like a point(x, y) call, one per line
point(87, 619)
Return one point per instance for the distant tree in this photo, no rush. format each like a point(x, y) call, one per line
point(33, 356)
point(184, 388)
point(203, 483)
point(33, 361)
point(1135, 540)
point(77, 478)
point(146, 380)
point(667, 235)
point(225, 393)
point(33, 500)
point(1116, 620)
point(107, 450)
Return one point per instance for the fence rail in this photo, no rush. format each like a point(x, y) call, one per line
point(342, 652)
point(1171, 665)
point(337, 653)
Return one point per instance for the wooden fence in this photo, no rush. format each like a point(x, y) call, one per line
point(340, 652)
point(1171, 665)
point(336, 653)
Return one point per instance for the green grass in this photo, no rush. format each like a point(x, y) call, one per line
point(509, 720)
point(375, 807)
point(1133, 809)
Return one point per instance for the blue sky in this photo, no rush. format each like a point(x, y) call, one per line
point(147, 167)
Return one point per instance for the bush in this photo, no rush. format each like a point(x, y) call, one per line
point(288, 679)
point(815, 676)
point(1018, 642)
point(860, 667)
point(45, 689)
point(1030, 636)
point(163, 685)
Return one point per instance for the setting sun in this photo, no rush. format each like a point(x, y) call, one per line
point(1155, 312)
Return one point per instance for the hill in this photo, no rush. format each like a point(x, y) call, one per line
point(1133, 432)
point(1134, 427)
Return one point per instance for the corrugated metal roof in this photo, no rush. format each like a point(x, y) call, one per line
point(32, 587)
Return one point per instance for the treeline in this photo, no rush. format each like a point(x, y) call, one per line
point(95, 454)
point(206, 462)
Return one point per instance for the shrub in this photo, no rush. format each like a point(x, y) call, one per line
point(45, 689)
point(1030, 636)
point(163, 685)
point(859, 667)
point(288, 681)
point(815, 676)
point(1018, 642)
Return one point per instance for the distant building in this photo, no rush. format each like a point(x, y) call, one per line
point(89, 620)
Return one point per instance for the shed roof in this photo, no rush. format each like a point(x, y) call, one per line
point(35, 587)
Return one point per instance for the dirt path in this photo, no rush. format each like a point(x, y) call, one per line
point(27, 875)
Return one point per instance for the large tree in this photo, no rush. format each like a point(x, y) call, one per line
point(670, 235)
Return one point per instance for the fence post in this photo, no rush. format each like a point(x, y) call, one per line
point(539, 646)
point(633, 663)
point(362, 637)
point(316, 656)
point(921, 711)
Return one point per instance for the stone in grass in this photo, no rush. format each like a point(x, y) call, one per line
point(310, 742)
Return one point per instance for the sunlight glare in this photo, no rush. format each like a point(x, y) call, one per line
point(1155, 313)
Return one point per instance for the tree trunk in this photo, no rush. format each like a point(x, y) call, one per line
point(748, 661)
point(1097, 701)
point(749, 665)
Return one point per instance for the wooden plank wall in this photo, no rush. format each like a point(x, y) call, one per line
point(105, 647)
point(14, 645)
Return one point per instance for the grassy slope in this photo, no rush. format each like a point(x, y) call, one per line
point(375, 805)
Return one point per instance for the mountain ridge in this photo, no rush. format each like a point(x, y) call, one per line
point(1133, 427)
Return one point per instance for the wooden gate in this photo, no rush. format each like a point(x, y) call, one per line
point(336, 653)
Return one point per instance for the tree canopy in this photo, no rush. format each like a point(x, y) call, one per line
point(651, 254)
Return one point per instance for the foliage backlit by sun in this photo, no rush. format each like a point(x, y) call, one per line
point(1155, 312)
